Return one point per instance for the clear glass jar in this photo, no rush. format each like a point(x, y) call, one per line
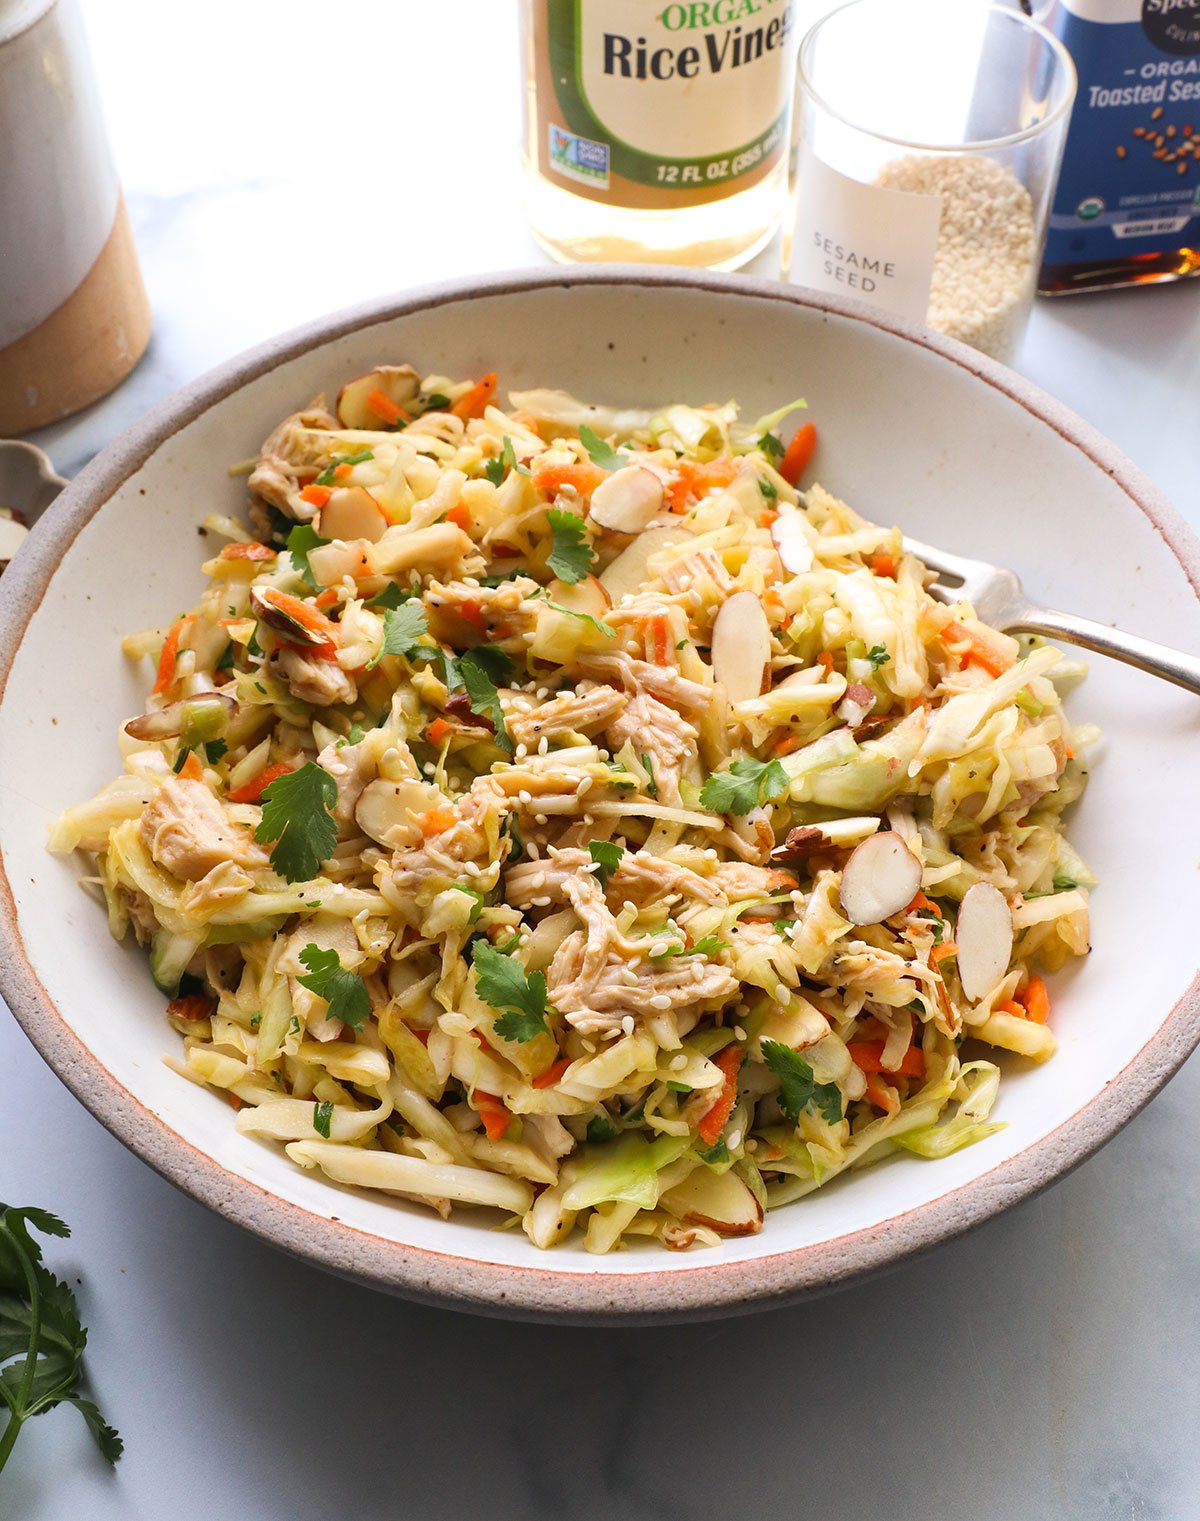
point(926, 143)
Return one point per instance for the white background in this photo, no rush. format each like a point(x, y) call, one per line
point(282, 159)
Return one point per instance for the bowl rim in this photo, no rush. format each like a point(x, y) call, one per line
point(536, 1291)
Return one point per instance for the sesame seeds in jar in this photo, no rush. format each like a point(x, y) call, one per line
point(986, 256)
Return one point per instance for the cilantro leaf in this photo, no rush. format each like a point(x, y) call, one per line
point(485, 699)
point(297, 816)
point(651, 783)
point(345, 992)
point(1064, 884)
point(601, 627)
point(392, 595)
point(41, 1336)
point(607, 856)
point(495, 662)
point(708, 945)
point(506, 460)
point(301, 541)
point(798, 1088)
point(768, 488)
point(600, 1129)
point(501, 981)
point(214, 750)
point(322, 1115)
point(326, 477)
point(878, 655)
point(477, 901)
point(599, 452)
point(745, 785)
point(402, 627)
point(572, 556)
point(771, 446)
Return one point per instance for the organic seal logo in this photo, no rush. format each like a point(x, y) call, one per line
point(1090, 209)
point(1172, 25)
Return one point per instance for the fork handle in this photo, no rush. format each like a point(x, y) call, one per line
point(1157, 659)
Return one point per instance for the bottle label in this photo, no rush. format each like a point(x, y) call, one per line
point(1130, 179)
point(642, 104)
point(864, 240)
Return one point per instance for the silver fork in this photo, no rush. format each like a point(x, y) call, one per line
point(999, 599)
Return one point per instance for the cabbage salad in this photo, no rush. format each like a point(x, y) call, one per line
point(554, 808)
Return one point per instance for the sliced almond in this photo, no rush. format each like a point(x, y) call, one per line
point(586, 596)
point(830, 835)
point(793, 543)
point(384, 809)
point(797, 1024)
point(719, 1200)
point(627, 500)
point(985, 939)
point(352, 513)
point(881, 877)
point(330, 562)
point(399, 383)
point(628, 570)
point(741, 647)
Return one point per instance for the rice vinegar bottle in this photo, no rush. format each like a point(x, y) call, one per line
point(657, 132)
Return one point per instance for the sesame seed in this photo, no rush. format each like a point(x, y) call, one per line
point(520, 752)
point(735, 1140)
point(678, 1063)
point(740, 1032)
point(660, 1001)
point(542, 902)
point(627, 1024)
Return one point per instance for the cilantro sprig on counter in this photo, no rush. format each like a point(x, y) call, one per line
point(41, 1336)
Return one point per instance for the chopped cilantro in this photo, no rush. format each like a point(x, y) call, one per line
point(678, 1087)
point(402, 627)
point(392, 595)
point(798, 1089)
point(435, 402)
point(771, 446)
point(485, 699)
point(600, 1129)
point(607, 856)
point(478, 901)
point(651, 784)
point(604, 628)
point(297, 817)
point(1065, 884)
point(322, 1115)
point(571, 556)
point(356, 735)
point(878, 655)
point(225, 658)
point(501, 982)
point(180, 760)
point(214, 750)
point(252, 645)
point(714, 1155)
point(326, 477)
point(301, 541)
point(768, 488)
point(506, 460)
point(599, 452)
point(495, 662)
point(745, 785)
point(345, 992)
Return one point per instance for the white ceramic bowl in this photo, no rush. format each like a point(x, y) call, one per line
point(914, 429)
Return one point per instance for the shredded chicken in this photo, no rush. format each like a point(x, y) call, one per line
point(311, 679)
point(580, 712)
point(661, 737)
point(188, 833)
point(288, 458)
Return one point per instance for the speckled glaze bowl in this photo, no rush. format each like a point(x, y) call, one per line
point(914, 429)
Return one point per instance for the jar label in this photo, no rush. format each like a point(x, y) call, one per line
point(641, 104)
point(862, 240)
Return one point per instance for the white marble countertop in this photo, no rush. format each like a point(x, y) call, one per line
point(1046, 1368)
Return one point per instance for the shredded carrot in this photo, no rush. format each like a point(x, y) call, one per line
point(1068, 752)
point(307, 617)
point(798, 453)
point(786, 745)
point(1011, 1006)
point(713, 1121)
point(1036, 1000)
point(691, 481)
point(658, 639)
point(583, 477)
point(472, 613)
point(192, 1006)
point(552, 1074)
point(328, 598)
point(316, 496)
point(166, 661)
point(252, 791)
point(921, 901)
point(940, 952)
point(496, 1118)
point(191, 768)
point(437, 821)
point(437, 731)
point(825, 661)
point(504, 551)
point(882, 1094)
point(867, 1056)
point(883, 565)
point(383, 406)
point(342, 471)
point(954, 636)
point(460, 516)
point(251, 551)
point(472, 402)
point(767, 517)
